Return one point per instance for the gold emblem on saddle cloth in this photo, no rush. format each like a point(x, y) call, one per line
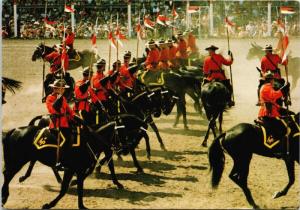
point(269, 141)
point(40, 141)
point(297, 125)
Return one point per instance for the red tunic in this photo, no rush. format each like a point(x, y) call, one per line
point(172, 56)
point(83, 103)
point(70, 39)
point(266, 64)
point(99, 89)
point(64, 115)
point(55, 60)
point(127, 80)
point(163, 59)
point(212, 68)
point(152, 59)
point(268, 94)
point(182, 49)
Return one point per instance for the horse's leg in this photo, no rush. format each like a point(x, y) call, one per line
point(56, 174)
point(290, 165)
point(63, 190)
point(28, 172)
point(148, 149)
point(80, 179)
point(184, 113)
point(220, 122)
point(111, 167)
point(135, 161)
point(101, 163)
point(9, 173)
point(239, 175)
point(178, 114)
point(155, 129)
point(204, 143)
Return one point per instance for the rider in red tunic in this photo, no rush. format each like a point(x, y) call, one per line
point(192, 49)
point(55, 59)
point(269, 112)
point(172, 54)
point(164, 55)
point(182, 50)
point(69, 41)
point(60, 114)
point(84, 94)
point(212, 68)
point(127, 78)
point(152, 57)
point(100, 91)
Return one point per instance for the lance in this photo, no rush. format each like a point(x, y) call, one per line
point(138, 40)
point(118, 38)
point(43, 79)
point(230, 69)
point(109, 49)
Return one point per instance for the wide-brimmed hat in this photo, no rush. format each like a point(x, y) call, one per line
point(269, 75)
point(59, 83)
point(212, 47)
point(127, 54)
point(268, 47)
point(169, 41)
point(117, 62)
point(87, 71)
point(161, 42)
point(151, 43)
point(100, 62)
point(179, 34)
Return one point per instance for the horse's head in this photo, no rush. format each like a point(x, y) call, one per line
point(255, 51)
point(38, 52)
point(168, 100)
point(148, 102)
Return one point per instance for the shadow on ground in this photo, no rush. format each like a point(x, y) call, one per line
point(134, 197)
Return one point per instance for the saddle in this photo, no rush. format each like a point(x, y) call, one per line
point(47, 138)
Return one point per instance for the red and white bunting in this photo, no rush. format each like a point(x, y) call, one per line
point(69, 9)
point(161, 19)
point(148, 23)
point(120, 36)
point(286, 10)
point(139, 31)
point(193, 9)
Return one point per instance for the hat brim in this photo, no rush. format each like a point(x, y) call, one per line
point(211, 48)
point(268, 49)
point(52, 85)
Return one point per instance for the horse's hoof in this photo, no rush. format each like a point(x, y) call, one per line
point(140, 171)
point(162, 146)
point(4, 200)
point(149, 157)
point(278, 194)
point(22, 179)
point(204, 144)
point(46, 206)
point(120, 186)
point(82, 207)
point(255, 206)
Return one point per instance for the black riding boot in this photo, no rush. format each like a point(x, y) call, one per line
point(227, 84)
point(66, 149)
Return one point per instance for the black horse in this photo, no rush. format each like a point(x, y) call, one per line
point(11, 85)
point(214, 97)
point(86, 57)
point(19, 147)
point(243, 140)
point(256, 51)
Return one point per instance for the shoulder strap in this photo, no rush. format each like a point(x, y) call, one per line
point(271, 62)
point(216, 63)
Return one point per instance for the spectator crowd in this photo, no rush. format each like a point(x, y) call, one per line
point(96, 16)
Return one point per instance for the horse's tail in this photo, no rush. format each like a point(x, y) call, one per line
point(6, 148)
point(216, 160)
point(11, 84)
point(35, 119)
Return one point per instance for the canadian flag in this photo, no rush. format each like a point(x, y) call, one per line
point(174, 13)
point(112, 40)
point(120, 36)
point(148, 23)
point(161, 19)
point(49, 22)
point(193, 9)
point(69, 9)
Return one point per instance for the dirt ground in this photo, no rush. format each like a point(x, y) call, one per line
point(178, 178)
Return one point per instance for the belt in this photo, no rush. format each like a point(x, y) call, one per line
point(216, 71)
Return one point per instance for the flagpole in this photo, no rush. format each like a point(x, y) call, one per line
point(43, 79)
point(117, 38)
point(173, 18)
point(109, 51)
point(227, 32)
point(289, 100)
point(138, 40)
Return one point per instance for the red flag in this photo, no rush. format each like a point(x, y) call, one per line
point(49, 22)
point(193, 9)
point(228, 22)
point(148, 23)
point(174, 13)
point(286, 10)
point(69, 9)
point(112, 39)
point(93, 39)
point(119, 36)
